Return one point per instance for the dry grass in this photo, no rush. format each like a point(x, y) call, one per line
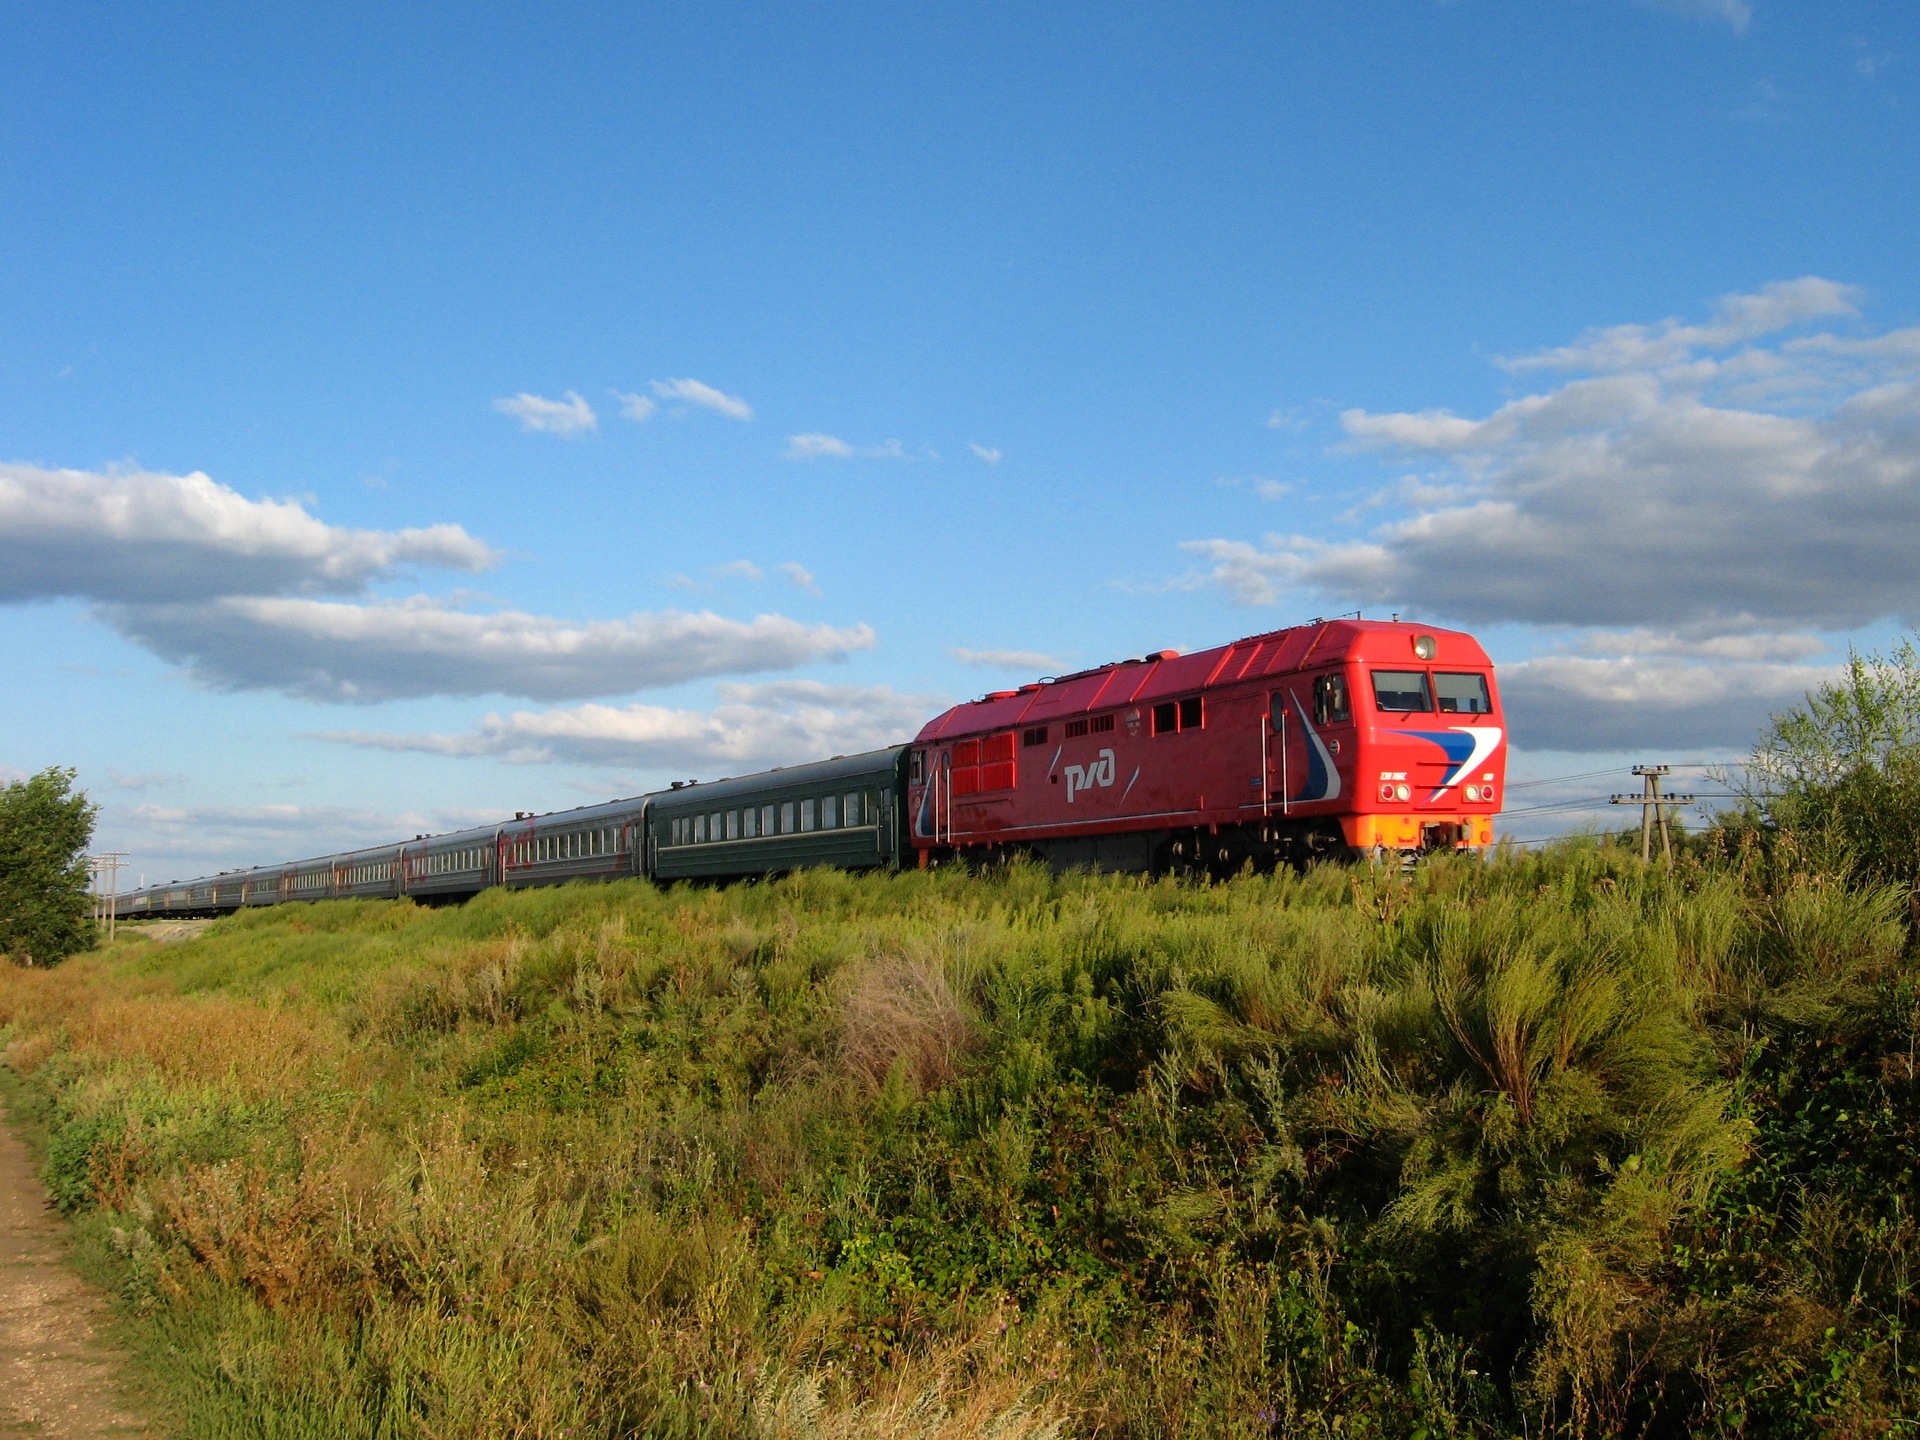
point(902, 1020)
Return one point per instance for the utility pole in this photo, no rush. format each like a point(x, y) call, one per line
point(106, 905)
point(1653, 809)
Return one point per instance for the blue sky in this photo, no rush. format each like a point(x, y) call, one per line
point(583, 397)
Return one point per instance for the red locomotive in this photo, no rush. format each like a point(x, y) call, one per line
point(1342, 735)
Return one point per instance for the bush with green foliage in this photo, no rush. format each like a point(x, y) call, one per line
point(1839, 775)
point(45, 909)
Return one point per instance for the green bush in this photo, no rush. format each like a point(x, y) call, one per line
point(1837, 778)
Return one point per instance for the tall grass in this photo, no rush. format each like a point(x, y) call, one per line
point(1018, 1155)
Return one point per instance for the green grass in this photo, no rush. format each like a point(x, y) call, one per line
point(1519, 1147)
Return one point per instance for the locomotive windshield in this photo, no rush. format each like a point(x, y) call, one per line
point(1404, 691)
point(1462, 694)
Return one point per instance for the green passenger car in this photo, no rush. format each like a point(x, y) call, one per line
point(847, 812)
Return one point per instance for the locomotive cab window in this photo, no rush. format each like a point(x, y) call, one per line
point(1035, 736)
point(1462, 694)
point(1404, 692)
point(1330, 703)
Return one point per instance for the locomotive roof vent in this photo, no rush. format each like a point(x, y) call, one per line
point(1423, 646)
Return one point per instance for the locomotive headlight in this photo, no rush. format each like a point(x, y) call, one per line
point(1402, 792)
point(1473, 792)
point(1423, 646)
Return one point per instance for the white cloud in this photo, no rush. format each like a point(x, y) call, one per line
point(1734, 13)
point(1770, 490)
point(141, 782)
point(693, 392)
point(816, 447)
point(832, 447)
point(1566, 702)
point(180, 842)
point(1737, 319)
point(1753, 646)
point(799, 576)
point(770, 723)
point(232, 589)
point(569, 417)
point(988, 453)
point(1005, 659)
point(637, 408)
point(388, 649)
point(142, 536)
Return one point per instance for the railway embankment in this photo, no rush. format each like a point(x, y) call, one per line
point(1553, 1143)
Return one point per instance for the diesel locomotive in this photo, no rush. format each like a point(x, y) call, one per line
point(1342, 737)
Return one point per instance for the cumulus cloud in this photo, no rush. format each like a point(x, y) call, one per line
point(1567, 702)
point(988, 453)
point(693, 392)
point(259, 594)
point(390, 649)
point(770, 723)
point(140, 536)
point(1005, 659)
point(1720, 484)
point(798, 576)
point(567, 418)
point(1737, 318)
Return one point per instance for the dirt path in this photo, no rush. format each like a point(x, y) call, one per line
point(58, 1376)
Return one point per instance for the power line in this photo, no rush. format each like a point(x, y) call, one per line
point(1565, 779)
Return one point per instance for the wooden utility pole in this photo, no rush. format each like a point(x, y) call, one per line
point(1653, 809)
point(106, 904)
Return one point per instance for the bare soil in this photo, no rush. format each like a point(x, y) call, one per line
point(59, 1377)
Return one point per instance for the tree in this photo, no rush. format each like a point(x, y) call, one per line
point(45, 828)
point(1840, 773)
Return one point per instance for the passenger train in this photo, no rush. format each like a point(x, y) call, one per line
point(1337, 738)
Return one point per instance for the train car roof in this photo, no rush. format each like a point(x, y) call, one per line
point(698, 795)
point(1167, 674)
